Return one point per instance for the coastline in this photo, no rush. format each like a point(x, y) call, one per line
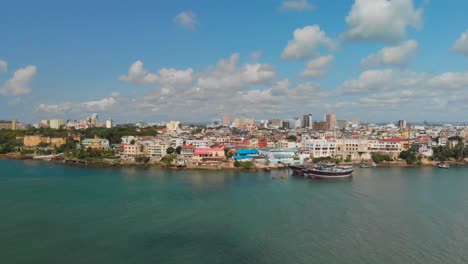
point(225, 166)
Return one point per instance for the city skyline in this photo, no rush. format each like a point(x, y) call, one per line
point(174, 60)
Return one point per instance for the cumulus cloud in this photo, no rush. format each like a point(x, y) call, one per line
point(382, 20)
point(55, 108)
point(187, 20)
point(230, 76)
point(305, 42)
point(68, 108)
point(395, 55)
point(137, 74)
point(19, 83)
point(368, 80)
point(256, 55)
point(3, 66)
point(461, 45)
point(296, 5)
point(318, 67)
point(99, 105)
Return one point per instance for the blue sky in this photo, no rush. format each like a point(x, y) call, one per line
point(198, 60)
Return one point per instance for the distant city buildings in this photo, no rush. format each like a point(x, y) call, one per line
point(331, 120)
point(172, 126)
point(110, 123)
point(56, 123)
point(226, 120)
point(402, 123)
point(243, 121)
point(307, 121)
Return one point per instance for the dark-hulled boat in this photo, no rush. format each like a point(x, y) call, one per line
point(323, 171)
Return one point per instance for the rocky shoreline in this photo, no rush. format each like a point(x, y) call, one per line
point(224, 166)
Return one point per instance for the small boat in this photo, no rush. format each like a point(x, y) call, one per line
point(443, 166)
point(368, 165)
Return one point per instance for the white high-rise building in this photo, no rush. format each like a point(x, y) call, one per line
point(56, 123)
point(109, 123)
point(172, 126)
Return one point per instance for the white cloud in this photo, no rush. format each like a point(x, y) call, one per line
point(451, 80)
point(305, 42)
point(19, 83)
point(229, 76)
point(137, 74)
point(296, 5)
point(372, 79)
point(461, 45)
point(68, 108)
point(100, 105)
point(396, 55)
point(318, 67)
point(3, 66)
point(187, 19)
point(55, 108)
point(382, 20)
point(256, 55)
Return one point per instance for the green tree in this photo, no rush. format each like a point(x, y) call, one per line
point(178, 149)
point(170, 150)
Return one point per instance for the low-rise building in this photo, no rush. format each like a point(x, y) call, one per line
point(95, 143)
point(208, 156)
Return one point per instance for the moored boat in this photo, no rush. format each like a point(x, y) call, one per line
point(324, 171)
point(443, 166)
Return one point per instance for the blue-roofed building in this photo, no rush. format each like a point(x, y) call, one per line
point(281, 155)
point(246, 154)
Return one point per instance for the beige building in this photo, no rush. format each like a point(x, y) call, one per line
point(33, 141)
point(9, 125)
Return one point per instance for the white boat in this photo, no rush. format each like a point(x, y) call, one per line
point(443, 166)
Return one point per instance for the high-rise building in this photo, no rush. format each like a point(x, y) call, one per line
point(341, 124)
point(172, 126)
point(56, 123)
point(94, 119)
point(109, 123)
point(331, 120)
point(226, 120)
point(294, 123)
point(243, 121)
point(356, 121)
point(402, 123)
point(320, 126)
point(46, 122)
point(307, 121)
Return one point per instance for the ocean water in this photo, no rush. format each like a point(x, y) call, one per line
point(51, 213)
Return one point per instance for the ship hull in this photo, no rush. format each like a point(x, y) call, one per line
point(320, 174)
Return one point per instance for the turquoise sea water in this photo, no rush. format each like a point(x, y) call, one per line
point(50, 213)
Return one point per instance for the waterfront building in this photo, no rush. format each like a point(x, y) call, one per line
point(319, 148)
point(278, 156)
point(208, 156)
point(246, 154)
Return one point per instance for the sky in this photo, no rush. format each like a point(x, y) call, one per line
point(159, 60)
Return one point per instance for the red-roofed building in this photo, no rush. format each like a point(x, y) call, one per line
point(208, 156)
